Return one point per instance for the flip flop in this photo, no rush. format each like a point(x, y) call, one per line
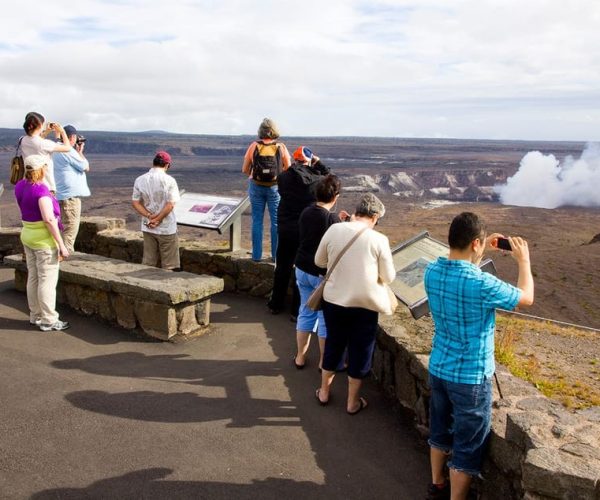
point(362, 404)
point(322, 403)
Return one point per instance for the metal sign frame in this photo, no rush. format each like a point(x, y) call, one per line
point(217, 213)
point(413, 256)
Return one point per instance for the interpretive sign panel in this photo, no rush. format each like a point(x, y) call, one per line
point(212, 212)
point(410, 260)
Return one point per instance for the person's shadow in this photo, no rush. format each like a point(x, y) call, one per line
point(151, 484)
point(238, 405)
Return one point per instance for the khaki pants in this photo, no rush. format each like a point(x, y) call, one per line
point(42, 278)
point(161, 246)
point(70, 214)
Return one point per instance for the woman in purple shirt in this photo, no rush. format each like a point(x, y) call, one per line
point(43, 244)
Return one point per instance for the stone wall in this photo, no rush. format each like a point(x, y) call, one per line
point(108, 237)
point(10, 241)
point(538, 450)
point(149, 301)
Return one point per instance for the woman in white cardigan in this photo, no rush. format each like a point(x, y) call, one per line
point(354, 296)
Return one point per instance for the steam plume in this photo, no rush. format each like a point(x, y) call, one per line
point(542, 181)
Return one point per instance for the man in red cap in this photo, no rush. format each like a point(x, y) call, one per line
point(154, 196)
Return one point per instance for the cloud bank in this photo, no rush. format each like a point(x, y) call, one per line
point(468, 68)
point(542, 181)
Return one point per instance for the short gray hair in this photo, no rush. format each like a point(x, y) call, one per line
point(369, 205)
point(268, 130)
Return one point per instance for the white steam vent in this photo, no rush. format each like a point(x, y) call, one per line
point(542, 181)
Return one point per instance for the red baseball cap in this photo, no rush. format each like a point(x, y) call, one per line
point(163, 157)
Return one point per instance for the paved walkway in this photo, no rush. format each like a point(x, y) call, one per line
point(95, 413)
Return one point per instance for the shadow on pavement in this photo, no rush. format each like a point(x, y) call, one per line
point(149, 484)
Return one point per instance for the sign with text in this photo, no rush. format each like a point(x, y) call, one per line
point(208, 211)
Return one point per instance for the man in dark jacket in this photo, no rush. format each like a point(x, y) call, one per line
point(296, 188)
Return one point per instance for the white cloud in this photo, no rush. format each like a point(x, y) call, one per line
point(491, 69)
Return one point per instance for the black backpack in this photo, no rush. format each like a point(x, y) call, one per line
point(266, 162)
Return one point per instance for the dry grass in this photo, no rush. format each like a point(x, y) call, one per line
point(538, 353)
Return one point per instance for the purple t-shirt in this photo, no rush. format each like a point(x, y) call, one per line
point(28, 196)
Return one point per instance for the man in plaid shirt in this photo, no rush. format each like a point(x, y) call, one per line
point(463, 300)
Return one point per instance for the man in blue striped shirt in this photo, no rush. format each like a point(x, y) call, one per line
point(463, 300)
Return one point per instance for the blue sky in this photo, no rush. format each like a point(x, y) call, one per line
point(460, 68)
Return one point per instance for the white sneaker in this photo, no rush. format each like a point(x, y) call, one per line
point(36, 322)
point(59, 325)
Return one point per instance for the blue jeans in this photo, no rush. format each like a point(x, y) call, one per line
point(309, 320)
point(259, 197)
point(459, 421)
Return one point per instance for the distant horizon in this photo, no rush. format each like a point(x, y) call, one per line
point(304, 136)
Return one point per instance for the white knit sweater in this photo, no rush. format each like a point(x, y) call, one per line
point(358, 278)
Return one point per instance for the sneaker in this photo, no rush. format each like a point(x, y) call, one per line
point(435, 493)
point(59, 325)
point(36, 322)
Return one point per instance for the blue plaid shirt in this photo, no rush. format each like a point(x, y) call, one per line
point(463, 301)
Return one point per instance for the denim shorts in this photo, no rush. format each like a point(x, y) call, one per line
point(309, 320)
point(459, 422)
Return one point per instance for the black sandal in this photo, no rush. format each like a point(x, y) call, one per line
point(298, 367)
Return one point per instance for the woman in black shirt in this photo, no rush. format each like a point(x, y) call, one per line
point(314, 222)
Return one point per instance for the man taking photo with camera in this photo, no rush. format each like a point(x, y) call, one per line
point(463, 301)
point(70, 170)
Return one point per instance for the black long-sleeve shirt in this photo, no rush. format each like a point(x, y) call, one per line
point(314, 222)
point(297, 190)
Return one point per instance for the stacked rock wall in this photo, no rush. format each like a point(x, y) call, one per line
point(238, 271)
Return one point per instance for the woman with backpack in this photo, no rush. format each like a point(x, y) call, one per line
point(264, 160)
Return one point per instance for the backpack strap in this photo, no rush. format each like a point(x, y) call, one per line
point(278, 159)
point(254, 156)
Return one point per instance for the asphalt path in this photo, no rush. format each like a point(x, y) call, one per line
point(96, 413)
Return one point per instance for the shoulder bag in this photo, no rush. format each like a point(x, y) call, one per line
point(17, 166)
